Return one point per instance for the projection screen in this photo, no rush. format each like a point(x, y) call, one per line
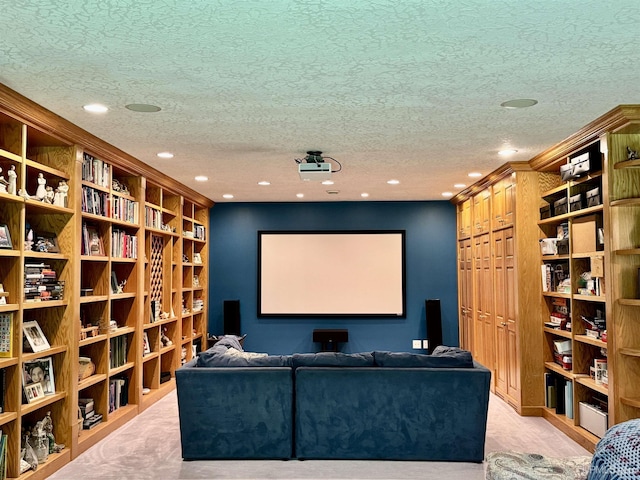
point(331, 273)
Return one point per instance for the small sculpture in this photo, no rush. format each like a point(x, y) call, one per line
point(631, 154)
point(28, 237)
point(3, 183)
point(23, 193)
point(41, 191)
point(47, 427)
point(49, 195)
point(39, 442)
point(60, 197)
point(13, 180)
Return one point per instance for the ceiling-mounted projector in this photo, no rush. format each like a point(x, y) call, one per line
point(313, 167)
point(314, 171)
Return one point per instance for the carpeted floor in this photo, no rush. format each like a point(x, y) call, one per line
point(148, 447)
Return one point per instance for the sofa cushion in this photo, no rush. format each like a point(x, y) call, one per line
point(332, 359)
point(234, 358)
point(414, 360)
point(464, 356)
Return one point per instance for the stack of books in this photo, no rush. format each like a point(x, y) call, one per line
point(90, 418)
point(41, 283)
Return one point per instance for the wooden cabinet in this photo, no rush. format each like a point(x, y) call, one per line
point(464, 219)
point(465, 293)
point(81, 261)
point(503, 202)
point(481, 212)
point(506, 338)
point(507, 372)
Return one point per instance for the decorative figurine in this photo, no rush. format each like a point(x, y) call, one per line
point(47, 427)
point(28, 237)
point(60, 197)
point(49, 195)
point(631, 154)
point(41, 191)
point(3, 183)
point(23, 193)
point(13, 180)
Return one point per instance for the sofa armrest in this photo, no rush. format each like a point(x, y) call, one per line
point(243, 412)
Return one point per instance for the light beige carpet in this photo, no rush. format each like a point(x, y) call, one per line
point(148, 447)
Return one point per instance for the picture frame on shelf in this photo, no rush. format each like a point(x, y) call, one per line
point(46, 242)
point(5, 237)
point(35, 337)
point(34, 392)
point(6, 334)
point(115, 287)
point(40, 371)
point(146, 347)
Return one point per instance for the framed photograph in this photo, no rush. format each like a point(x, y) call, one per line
point(33, 333)
point(34, 392)
point(5, 236)
point(114, 283)
point(46, 242)
point(146, 347)
point(40, 371)
point(6, 334)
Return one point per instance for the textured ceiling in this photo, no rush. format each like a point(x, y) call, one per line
point(407, 89)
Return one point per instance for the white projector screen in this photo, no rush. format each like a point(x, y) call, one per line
point(331, 273)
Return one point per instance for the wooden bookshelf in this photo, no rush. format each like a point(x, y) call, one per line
point(97, 217)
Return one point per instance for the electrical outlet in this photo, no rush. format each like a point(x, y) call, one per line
point(425, 344)
point(417, 344)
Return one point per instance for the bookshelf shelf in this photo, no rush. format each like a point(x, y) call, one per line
point(7, 417)
point(122, 368)
point(46, 401)
point(92, 380)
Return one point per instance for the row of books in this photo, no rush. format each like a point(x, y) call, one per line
point(559, 394)
point(152, 218)
point(3, 455)
point(118, 351)
point(123, 245)
point(95, 170)
point(124, 209)
point(199, 232)
point(118, 393)
point(95, 201)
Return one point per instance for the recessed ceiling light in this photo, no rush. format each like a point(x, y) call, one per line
point(333, 192)
point(519, 103)
point(475, 174)
point(95, 108)
point(227, 195)
point(507, 151)
point(142, 108)
point(328, 182)
point(393, 182)
point(364, 195)
point(201, 178)
point(264, 182)
point(447, 194)
point(300, 195)
point(459, 185)
point(164, 155)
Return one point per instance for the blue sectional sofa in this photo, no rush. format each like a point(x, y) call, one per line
point(375, 405)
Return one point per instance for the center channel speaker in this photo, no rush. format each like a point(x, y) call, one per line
point(231, 316)
point(434, 323)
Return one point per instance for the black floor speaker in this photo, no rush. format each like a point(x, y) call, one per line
point(434, 323)
point(231, 315)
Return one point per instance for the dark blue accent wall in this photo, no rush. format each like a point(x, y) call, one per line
point(430, 270)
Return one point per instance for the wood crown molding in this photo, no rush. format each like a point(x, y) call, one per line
point(35, 115)
point(488, 180)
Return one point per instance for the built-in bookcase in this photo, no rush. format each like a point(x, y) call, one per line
point(109, 241)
